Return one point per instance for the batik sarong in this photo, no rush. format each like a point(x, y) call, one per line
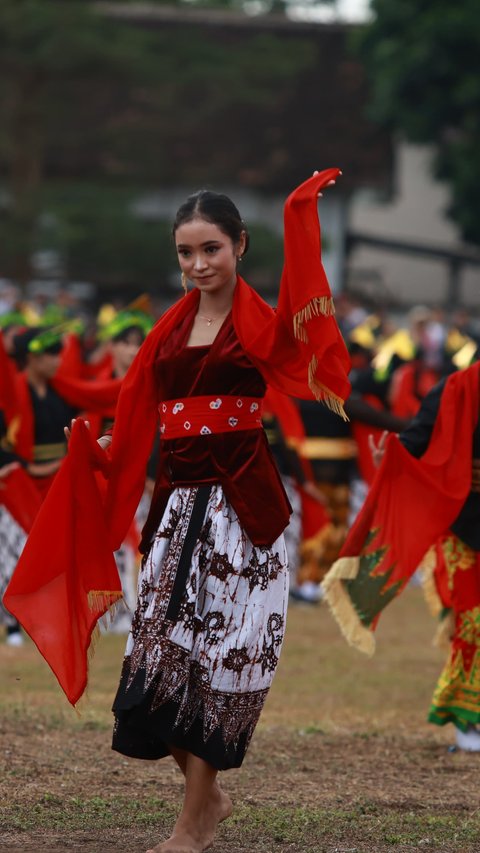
point(206, 634)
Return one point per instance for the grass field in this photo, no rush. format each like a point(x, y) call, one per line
point(342, 760)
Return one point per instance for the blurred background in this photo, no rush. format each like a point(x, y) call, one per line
point(111, 113)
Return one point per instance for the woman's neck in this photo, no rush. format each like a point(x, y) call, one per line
point(217, 304)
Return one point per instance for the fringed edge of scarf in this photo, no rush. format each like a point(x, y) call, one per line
point(341, 607)
point(98, 600)
point(319, 305)
point(103, 599)
point(429, 587)
point(324, 394)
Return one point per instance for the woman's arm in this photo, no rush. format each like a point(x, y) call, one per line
point(416, 436)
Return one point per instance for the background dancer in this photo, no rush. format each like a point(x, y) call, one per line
point(431, 501)
point(456, 585)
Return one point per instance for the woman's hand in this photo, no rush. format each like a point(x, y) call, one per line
point(104, 441)
point(330, 183)
point(378, 450)
point(68, 430)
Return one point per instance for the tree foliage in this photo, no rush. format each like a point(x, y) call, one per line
point(423, 60)
point(87, 98)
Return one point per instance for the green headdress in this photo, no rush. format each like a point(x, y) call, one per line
point(137, 315)
point(46, 339)
point(12, 318)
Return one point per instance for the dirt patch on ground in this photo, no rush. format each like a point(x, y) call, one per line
point(65, 790)
point(343, 760)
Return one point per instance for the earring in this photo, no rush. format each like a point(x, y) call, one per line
point(240, 258)
point(184, 283)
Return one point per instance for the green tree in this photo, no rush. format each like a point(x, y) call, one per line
point(51, 56)
point(423, 60)
point(85, 98)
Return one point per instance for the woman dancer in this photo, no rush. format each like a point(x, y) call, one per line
point(213, 586)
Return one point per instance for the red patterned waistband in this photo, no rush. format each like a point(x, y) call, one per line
point(209, 414)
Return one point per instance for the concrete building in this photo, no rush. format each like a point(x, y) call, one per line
point(438, 269)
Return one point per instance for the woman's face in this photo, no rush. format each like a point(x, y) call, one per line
point(207, 256)
point(125, 349)
point(44, 365)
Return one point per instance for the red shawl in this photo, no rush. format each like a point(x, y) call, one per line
point(8, 394)
point(410, 383)
point(20, 496)
point(410, 504)
point(58, 604)
point(73, 365)
point(298, 350)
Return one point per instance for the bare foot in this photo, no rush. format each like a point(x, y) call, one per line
point(175, 845)
point(223, 802)
point(196, 839)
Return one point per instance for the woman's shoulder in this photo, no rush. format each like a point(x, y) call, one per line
point(170, 320)
point(247, 299)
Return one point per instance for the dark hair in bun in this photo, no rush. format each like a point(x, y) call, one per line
point(216, 208)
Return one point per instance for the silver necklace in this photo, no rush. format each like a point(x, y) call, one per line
point(210, 320)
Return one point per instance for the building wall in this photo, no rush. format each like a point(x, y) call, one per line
point(417, 213)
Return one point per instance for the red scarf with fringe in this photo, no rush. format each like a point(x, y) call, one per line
point(298, 350)
point(58, 604)
point(410, 504)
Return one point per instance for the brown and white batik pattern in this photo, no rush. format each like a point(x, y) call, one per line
point(12, 540)
point(293, 531)
point(217, 660)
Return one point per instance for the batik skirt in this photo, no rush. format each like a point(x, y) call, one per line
point(12, 540)
point(206, 635)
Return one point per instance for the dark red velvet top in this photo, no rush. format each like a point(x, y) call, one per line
point(242, 462)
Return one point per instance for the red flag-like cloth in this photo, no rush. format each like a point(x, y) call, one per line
point(58, 603)
point(299, 348)
point(410, 504)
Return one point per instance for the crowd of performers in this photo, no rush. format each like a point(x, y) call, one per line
point(46, 380)
point(216, 445)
